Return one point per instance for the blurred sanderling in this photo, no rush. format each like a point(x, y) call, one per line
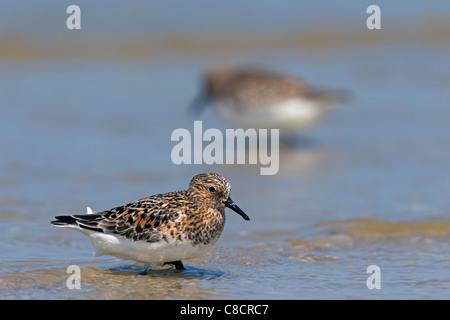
point(161, 229)
point(252, 98)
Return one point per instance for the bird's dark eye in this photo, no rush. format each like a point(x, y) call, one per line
point(212, 189)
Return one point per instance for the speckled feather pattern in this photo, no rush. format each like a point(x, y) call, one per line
point(262, 99)
point(195, 216)
point(253, 88)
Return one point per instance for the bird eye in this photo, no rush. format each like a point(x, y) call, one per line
point(212, 189)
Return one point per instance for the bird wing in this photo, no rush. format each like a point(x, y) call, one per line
point(142, 220)
point(257, 87)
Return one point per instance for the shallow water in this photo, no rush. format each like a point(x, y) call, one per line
point(368, 186)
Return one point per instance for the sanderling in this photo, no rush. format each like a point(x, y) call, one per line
point(253, 98)
point(161, 229)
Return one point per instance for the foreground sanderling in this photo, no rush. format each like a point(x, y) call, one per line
point(252, 98)
point(161, 229)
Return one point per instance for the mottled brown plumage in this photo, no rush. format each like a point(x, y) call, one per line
point(261, 99)
point(254, 88)
point(195, 216)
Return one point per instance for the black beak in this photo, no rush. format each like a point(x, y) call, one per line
point(198, 104)
point(233, 206)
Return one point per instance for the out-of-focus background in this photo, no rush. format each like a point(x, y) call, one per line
point(86, 118)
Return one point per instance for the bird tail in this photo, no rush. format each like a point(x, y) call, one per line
point(69, 220)
point(64, 221)
point(334, 98)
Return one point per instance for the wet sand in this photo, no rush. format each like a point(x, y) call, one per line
point(88, 121)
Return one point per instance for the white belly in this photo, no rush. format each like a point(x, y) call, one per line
point(289, 115)
point(141, 251)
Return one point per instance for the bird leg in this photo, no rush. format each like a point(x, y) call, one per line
point(177, 264)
